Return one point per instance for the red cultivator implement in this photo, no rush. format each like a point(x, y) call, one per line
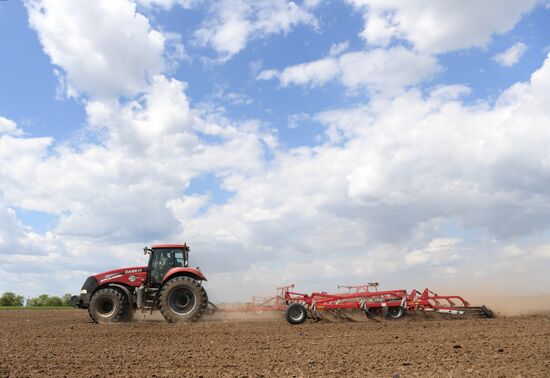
point(261, 304)
point(389, 304)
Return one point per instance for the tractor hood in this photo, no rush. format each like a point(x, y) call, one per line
point(132, 276)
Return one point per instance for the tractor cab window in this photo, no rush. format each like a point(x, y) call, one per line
point(179, 260)
point(162, 260)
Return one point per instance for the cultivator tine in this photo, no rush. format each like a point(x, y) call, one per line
point(415, 316)
point(430, 314)
point(350, 315)
point(314, 315)
point(478, 312)
point(330, 316)
point(372, 316)
point(339, 314)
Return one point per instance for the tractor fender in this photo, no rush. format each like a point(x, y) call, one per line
point(127, 292)
point(180, 271)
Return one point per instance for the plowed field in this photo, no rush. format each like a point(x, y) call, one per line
point(61, 343)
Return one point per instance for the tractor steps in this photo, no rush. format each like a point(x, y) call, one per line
point(149, 299)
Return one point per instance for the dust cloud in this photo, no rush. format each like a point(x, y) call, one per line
point(503, 298)
point(514, 306)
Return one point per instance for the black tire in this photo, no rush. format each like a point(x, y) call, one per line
point(128, 313)
point(395, 312)
point(182, 299)
point(107, 306)
point(296, 313)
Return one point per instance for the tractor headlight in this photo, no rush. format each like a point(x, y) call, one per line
point(83, 291)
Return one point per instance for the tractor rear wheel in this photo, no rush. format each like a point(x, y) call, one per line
point(107, 306)
point(296, 313)
point(182, 299)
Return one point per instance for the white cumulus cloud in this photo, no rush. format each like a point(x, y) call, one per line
point(104, 47)
point(7, 126)
point(378, 69)
point(232, 23)
point(439, 26)
point(511, 56)
point(167, 4)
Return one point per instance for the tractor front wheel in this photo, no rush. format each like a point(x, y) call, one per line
point(107, 306)
point(182, 299)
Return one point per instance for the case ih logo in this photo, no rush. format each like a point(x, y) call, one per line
point(133, 271)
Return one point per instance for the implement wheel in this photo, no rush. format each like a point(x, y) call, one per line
point(182, 299)
point(296, 313)
point(107, 306)
point(395, 312)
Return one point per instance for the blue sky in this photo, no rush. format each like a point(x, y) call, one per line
point(407, 139)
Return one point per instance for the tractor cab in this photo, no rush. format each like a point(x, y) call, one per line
point(163, 258)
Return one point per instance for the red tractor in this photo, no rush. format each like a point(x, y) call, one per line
point(167, 283)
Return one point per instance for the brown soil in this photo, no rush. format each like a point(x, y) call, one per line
point(66, 343)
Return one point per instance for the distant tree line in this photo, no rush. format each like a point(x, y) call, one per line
point(12, 299)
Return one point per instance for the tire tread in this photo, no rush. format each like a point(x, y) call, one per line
point(123, 302)
point(168, 314)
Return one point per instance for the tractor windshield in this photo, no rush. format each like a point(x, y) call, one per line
point(162, 260)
